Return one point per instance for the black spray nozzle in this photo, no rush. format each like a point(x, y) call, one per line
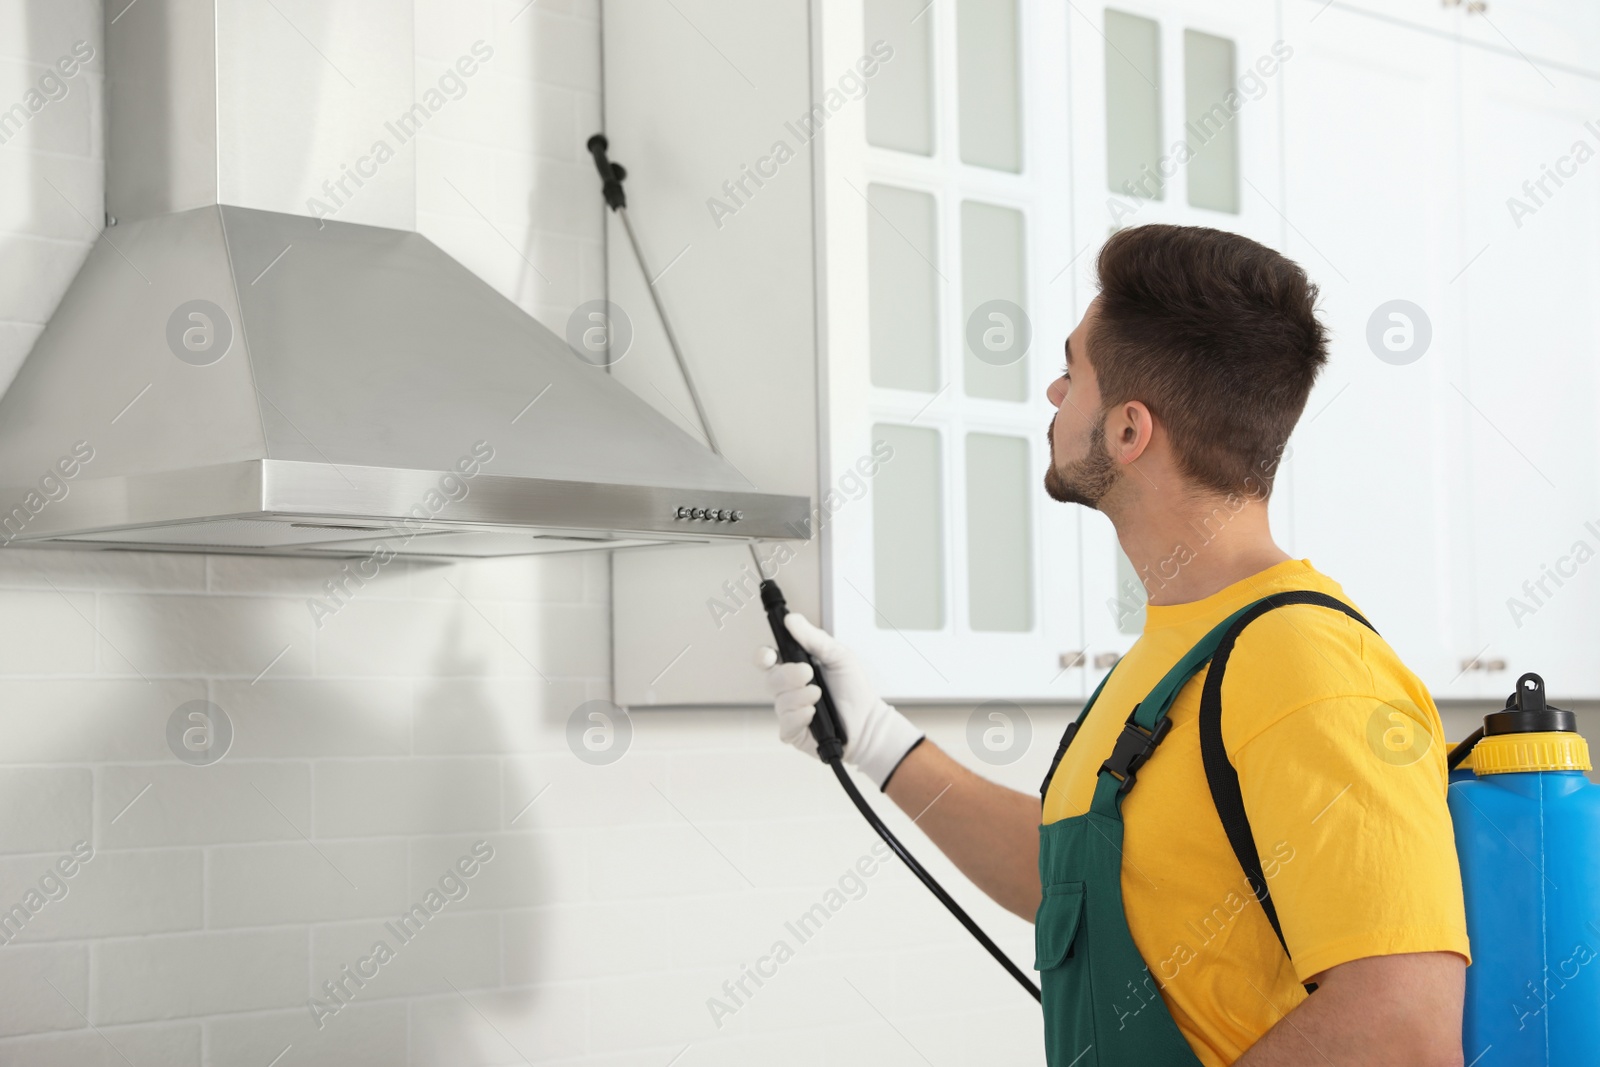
point(1527, 711)
point(610, 173)
point(826, 726)
point(771, 595)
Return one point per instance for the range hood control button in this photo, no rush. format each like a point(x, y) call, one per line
point(710, 514)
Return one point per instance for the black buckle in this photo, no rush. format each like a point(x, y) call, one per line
point(1134, 746)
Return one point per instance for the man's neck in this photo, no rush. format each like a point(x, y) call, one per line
point(1188, 553)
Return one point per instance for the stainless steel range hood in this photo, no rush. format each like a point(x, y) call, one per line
point(229, 373)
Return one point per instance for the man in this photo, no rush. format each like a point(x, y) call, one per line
point(1250, 819)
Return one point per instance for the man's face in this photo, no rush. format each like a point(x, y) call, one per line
point(1081, 470)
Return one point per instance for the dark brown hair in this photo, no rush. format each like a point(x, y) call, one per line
point(1218, 336)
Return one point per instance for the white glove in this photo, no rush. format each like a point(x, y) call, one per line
point(877, 737)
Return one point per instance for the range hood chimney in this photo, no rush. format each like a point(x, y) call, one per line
point(262, 355)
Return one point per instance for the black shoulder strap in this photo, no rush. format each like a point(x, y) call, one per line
point(1220, 775)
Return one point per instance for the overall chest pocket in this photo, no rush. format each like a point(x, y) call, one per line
point(1056, 924)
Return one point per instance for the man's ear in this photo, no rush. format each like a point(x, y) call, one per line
point(1129, 430)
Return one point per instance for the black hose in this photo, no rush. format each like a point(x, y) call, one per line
point(928, 880)
point(1464, 749)
point(827, 728)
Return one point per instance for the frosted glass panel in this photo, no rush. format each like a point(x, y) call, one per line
point(903, 288)
point(908, 530)
point(900, 100)
point(1133, 106)
point(1213, 129)
point(993, 268)
point(988, 65)
point(999, 533)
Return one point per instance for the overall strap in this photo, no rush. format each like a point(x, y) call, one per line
point(1149, 713)
point(1220, 774)
point(1147, 724)
point(1070, 733)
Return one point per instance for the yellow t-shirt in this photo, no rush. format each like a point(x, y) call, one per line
point(1341, 762)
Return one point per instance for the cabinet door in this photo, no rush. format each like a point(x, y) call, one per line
point(1175, 119)
point(1557, 34)
point(739, 289)
point(1371, 212)
point(944, 217)
point(1529, 389)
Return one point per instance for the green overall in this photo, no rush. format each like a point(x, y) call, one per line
point(1102, 1006)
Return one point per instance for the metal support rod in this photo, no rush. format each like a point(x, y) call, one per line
point(612, 176)
point(672, 339)
point(826, 726)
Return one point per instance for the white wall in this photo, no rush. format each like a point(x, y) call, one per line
point(377, 749)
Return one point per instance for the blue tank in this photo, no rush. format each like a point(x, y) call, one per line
point(1527, 828)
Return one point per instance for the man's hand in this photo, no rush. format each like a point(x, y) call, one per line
point(987, 830)
point(877, 737)
point(1401, 1010)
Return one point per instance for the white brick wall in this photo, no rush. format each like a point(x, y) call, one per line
point(377, 749)
point(220, 897)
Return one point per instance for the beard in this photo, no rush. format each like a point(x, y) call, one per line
point(1083, 481)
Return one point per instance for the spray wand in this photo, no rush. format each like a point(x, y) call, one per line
point(826, 725)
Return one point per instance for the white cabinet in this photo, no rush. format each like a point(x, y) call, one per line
point(827, 315)
point(1531, 330)
point(1372, 211)
point(1450, 490)
point(698, 95)
point(1175, 119)
point(951, 170)
point(943, 246)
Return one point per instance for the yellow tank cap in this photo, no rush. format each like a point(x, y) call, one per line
point(1519, 753)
